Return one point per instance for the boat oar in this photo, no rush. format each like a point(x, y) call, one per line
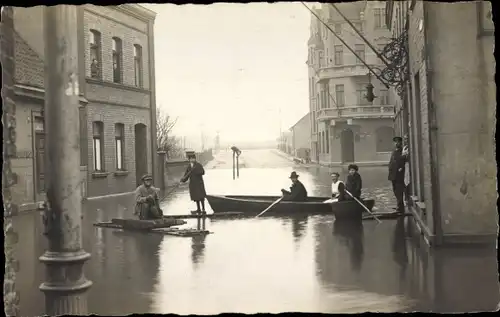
point(267, 209)
point(363, 205)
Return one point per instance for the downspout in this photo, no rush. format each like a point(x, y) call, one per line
point(433, 136)
point(152, 100)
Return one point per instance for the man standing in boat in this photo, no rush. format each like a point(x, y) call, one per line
point(194, 173)
point(297, 191)
point(397, 172)
point(147, 201)
point(354, 182)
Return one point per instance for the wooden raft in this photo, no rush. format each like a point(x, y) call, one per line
point(140, 225)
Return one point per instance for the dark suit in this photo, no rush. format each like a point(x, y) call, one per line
point(297, 192)
point(354, 185)
point(196, 183)
point(397, 176)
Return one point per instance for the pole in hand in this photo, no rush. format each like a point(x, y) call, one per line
point(363, 205)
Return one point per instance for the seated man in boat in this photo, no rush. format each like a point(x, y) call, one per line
point(338, 189)
point(354, 182)
point(194, 173)
point(147, 201)
point(297, 191)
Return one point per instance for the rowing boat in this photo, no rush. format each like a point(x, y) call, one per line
point(313, 205)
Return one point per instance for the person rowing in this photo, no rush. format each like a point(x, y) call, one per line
point(354, 183)
point(338, 189)
point(297, 191)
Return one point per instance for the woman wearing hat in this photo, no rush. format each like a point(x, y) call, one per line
point(354, 182)
point(297, 191)
point(194, 173)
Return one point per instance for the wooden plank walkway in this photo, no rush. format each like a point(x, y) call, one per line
point(219, 215)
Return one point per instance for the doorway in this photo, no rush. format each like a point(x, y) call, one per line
point(347, 146)
point(141, 152)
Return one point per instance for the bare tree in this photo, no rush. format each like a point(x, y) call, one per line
point(164, 139)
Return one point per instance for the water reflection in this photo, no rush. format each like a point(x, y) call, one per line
point(351, 236)
point(198, 249)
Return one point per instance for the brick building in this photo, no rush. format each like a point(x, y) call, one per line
point(345, 127)
point(448, 111)
point(117, 99)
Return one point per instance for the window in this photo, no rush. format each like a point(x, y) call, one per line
point(339, 95)
point(98, 145)
point(138, 65)
point(338, 28)
point(384, 137)
point(327, 141)
point(384, 97)
point(339, 60)
point(327, 56)
point(361, 96)
point(117, 60)
point(360, 51)
point(379, 18)
point(95, 54)
point(120, 145)
point(321, 58)
point(40, 153)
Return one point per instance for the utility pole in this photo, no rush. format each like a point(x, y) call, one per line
point(65, 283)
point(9, 179)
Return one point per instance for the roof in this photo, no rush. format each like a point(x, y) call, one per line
point(300, 120)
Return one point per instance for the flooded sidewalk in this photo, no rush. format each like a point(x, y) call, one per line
point(306, 264)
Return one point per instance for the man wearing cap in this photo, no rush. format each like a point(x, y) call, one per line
point(297, 191)
point(397, 172)
point(354, 183)
point(147, 201)
point(194, 173)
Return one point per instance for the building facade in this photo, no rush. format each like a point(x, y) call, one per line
point(117, 99)
point(448, 110)
point(301, 137)
point(345, 127)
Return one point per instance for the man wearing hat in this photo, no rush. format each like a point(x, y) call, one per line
point(297, 191)
point(397, 172)
point(354, 183)
point(147, 201)
point(194, 173)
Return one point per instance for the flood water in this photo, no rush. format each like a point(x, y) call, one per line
point(305, 264)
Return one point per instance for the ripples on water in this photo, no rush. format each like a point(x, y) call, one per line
point(306, 264)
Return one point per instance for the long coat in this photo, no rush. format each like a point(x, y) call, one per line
point(196, 183)
point(354, 185)
point(146, 208)
point(297, 192)
point(397, 166)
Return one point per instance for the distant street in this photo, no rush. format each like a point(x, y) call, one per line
point(311, 265)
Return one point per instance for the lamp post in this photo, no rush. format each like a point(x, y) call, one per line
point(65, 283)
point(236, 165)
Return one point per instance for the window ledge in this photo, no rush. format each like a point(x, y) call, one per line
point(99, 174)
point(100, 81)
point(121, 173)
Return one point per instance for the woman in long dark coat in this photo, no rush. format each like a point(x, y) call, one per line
point(194, 173)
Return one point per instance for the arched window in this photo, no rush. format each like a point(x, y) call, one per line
point(384, 137)
point(95, 54)
point(120, 146)
point(98, 145)
point(117, 60)
point(138, 65)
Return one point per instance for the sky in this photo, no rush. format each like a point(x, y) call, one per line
point(231, 68)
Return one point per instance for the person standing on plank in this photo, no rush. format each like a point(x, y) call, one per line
point(397, 172)
point(194, 173)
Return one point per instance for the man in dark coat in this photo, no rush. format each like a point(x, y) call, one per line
point(147, 205)
point(297, 191)
point(194, 173)
point(354, 183)
point(397, 172)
